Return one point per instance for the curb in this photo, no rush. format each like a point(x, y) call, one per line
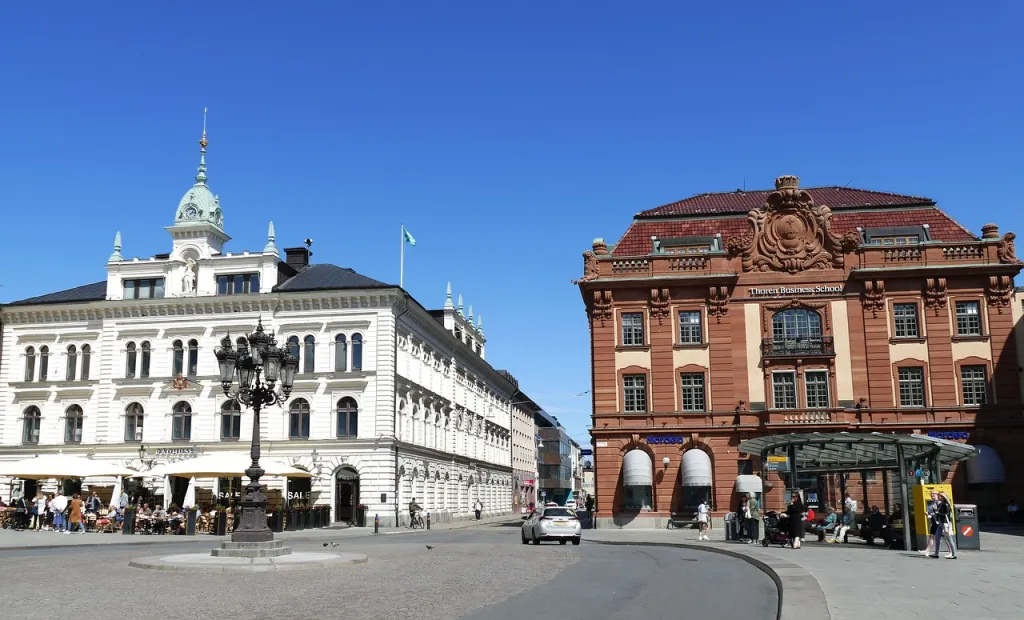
point(808, 600)
point(260, 565)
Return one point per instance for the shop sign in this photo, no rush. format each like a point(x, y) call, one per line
point(297, 495)
point(951, 435)
point(665, 439)
point(784, 291)
point(602, 444)
point(777, 464)
point(178, 453)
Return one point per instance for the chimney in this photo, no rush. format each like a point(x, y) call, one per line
point(297, 258)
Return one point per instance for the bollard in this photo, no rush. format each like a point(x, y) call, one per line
point(376, 524)
point(428, 520)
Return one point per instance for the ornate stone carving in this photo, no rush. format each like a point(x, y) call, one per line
point(718, 301)
point(661, 304)
point(791, 233)
point(935, 293)
point(822, 308)
point(601, 308)
point(1006, 252)
point(590, 269)
point(874, 296)
point(999, 291)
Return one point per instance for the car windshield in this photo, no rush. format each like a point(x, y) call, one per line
point(558, 512)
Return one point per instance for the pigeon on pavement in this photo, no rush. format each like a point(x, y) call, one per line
point(429, 547)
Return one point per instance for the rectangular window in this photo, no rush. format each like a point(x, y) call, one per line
point(686, 249)
point(905, 320)
point(897, 240)
point(974, 383)
point(636, 498)
point(693, 391)
point(238, 284)
point(634, 388)
point(633, 329)
point(968, 318)
point(911, 382)
point(147, 288)
point(745, 467)
point(230, 425)
point(690, 328)
point(816, 389)
point(784, 390)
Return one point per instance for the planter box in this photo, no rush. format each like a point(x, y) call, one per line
point(292, 520)
point(277, 521)
point(190, 522)
point(128, 527)
point(220, 524)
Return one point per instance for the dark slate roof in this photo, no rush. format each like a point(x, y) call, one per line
point(743, 201)
point(97, 291)
point(327, 277)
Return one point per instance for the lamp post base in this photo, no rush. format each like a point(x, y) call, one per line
point(252, 525)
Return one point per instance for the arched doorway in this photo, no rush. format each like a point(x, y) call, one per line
point(346, 495)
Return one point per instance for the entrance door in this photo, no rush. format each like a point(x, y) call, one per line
point(346, 496)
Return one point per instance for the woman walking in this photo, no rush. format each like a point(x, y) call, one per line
point(796, 521)
point(942, 525)
point(39, 516)
point(75, 516)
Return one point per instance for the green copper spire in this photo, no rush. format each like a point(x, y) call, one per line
point(470, 314)
point(201, 175)
point(448, 305)
point(270, 247)
point(460, 303)
point(116, 256)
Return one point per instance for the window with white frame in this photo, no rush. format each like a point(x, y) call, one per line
point(298, 419)
point(72, 363)
point(177, 358)
point(86, 360)
point(181, 422)
point(30, 364)
point(784, 390)
point(690, 327)
point(816, 389)
point(44, 363)
point(340, 353)
point(230, 421)
point(634, 391)
point(193, 358)
point(131, 359)
point(632, 329)
point(974, 384)
point(348, 418)
point(32, 420)
point(905, 323)
point(73, 423)
point(357, 351)
point(692, 391)
point(134, 418)
point(309, 354)
point(968, 318)
point(911, 384)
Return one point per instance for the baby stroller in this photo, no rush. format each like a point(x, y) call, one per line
point(776, 529)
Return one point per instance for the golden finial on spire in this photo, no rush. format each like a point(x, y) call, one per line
point(202, 141)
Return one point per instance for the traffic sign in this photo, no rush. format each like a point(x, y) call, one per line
point(967, 530)
point(910, 472)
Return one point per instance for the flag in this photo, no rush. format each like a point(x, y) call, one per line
point(407, 236)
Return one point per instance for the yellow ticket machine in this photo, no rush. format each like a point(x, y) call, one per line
point(922, 502)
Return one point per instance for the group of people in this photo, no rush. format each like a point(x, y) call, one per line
point(55, 512)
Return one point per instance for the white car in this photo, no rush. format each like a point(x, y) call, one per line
point(552, 523)
point(571, 504)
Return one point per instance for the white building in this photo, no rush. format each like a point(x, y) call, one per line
point(391, 401)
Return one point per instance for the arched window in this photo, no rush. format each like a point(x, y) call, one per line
point(193, 358)
point(796, 324)
point(242, 343)
point(298, 419)
point(348, 418)
point(73, 419)
point(44, 362)
point(131, 358)
point(230, 421)
point(308, 354)
point(134, 417)
point(293, 347)
point(181, 422)
point(72, 363)
point(86, 358)
point(178, 358)
point(146, 357)
point(357, 352)
point(32, 420)
point(30, 364)
point(340, 353)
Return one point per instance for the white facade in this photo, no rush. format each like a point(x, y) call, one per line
point(136, 358)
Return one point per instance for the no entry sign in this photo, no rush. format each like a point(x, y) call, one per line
point(967, 531)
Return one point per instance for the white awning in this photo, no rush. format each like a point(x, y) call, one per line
point(696, 468)
point(47, 466)
point(986, 467)
point(224, 465)
point(746, 483)
point(637, 469)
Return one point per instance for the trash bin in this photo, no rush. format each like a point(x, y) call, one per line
point(967, 534)
point(730, 526)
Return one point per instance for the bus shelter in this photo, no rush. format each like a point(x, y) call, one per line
point(844, 452)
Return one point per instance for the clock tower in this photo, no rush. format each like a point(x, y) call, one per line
point(198, 229)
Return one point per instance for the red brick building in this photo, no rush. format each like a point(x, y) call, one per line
point(727, 316)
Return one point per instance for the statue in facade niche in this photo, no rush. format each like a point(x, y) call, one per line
point(188, 281)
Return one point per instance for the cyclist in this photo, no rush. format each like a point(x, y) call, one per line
point(414, 509)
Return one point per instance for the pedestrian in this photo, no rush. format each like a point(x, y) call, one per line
point(20, 513)
point(75, 515)
point(39, 511)
point(478, 508)
point(942, 525)
point(702, 521)
point(58, 505)
point(796, 521)
point(752, 513)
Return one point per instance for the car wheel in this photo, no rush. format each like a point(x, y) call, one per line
point(575, 541)
point(523, 535)
point(562, 542)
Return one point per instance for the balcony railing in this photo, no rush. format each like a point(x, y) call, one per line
point(798, 347)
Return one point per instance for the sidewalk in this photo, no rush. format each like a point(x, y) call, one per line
point(11, 540)
point(859, 581)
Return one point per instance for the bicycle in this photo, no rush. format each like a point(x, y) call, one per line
point(417, 522)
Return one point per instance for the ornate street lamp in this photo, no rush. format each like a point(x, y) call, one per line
point(257, 364)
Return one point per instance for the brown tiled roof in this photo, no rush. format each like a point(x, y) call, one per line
point(743, 201)
point(637, 240)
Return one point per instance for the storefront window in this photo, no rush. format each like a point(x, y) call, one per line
point(636, 498)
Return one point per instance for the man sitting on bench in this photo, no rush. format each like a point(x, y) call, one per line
point(828, 525)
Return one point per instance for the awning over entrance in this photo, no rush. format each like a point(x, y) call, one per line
point(347, 474)
point(746, 483)
point(824, 452)
point(986, 467)
point(696, 468)
point(637, 469)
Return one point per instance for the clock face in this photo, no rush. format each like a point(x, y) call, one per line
point(190, 212)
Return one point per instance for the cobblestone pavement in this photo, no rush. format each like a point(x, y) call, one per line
point(868, 581)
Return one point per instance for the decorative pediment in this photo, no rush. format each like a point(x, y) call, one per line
point(822, 308)
point(791, 233)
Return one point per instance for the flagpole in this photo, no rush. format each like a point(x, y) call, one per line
point(401, 261)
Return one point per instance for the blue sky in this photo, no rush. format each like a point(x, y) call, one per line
point(506, 136)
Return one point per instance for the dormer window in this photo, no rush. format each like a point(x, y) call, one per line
point(238, 284)
point(146, 288)
point(895, 235)
point(688, 246)
point(685, 249)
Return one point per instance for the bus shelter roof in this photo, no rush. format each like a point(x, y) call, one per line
point(843, 451)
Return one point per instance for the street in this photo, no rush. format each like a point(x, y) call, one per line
point(480, 574)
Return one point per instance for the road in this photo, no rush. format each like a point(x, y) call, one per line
point(474, 574)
